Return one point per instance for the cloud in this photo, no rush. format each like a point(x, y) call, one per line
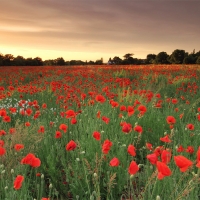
point(107, 26)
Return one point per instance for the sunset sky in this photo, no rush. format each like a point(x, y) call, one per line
point(91, 29)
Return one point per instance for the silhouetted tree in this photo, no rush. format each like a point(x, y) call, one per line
point(190, 59)
point(8, 60)
point(198, 60)
point(150, 58)
point(162, 58)
point(60, 61)
point(128, 55)
point(19, 61)
point(177, 56)
point(117, 60)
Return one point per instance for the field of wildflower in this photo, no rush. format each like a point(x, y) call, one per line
point(100, 132)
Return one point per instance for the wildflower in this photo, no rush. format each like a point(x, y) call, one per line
point(198, 154)
point(106, 146)
point(63, 127)
point(122, 108)
point(126, 128)
point(114, 162)
point(130, 110)
point(152, 158)
point(27, 124)
point(100, 98)
point(70, 114)
point(166, 139)
point(18, 182)
point(138, 129)
point(190, 127)
point(12, 130)
point(1, 143)
point(163, 170)
point(166, 156)
point(190, 149)
point(41, 129)
point(18, 147)
point(7, 119)
point(2, 151)
point(31, 160)
point(105, 119)
point(71, 146)
point(180, 149)
point(58, 134)
point(171, 120)
point(149, 146)
point(131, 150)
point(73, 121)
point(182, 162)
point(96, 135)
point(133, 168)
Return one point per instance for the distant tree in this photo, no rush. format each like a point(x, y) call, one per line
point(117, 60)
point(19, 61)
point(128, 55)
point(190, 59)
point(8, 59)
point(150, 58)
point(91, 62)
point(49, 63)
point(60, 61)
point(162, 58)
point(99, 62)
point(1, 59)
point(198, 60)
point(177, 56)
point(37, 61)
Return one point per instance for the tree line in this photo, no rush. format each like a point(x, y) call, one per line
point(178, 56)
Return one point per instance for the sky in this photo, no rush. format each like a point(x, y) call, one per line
point(95, 29)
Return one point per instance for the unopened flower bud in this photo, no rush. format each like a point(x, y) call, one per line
point(158, 197)
point(50, 185)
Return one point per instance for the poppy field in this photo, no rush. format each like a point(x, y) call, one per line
point(100, 132)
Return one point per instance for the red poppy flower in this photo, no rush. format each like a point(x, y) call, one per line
point(138, 129)
point(190, 127)
point(182, 162)
point(96, 135)
point(166, 156)
point(158, 150)
point(180, 149)
point(171, 120)
point(130, 110)
point(1, 143)
point(105, 119)
point(114, 104)
point(122, 108)
point(41, 129)
point(166, 139)
point(100, 98)
point(114, 162)
point(190, 149)
point(142, 108)
point(106, 146)
point(44, 198)
point(18, 147)
point(27, 124)
point(63, 127)
point(174, 101)
point(2, 151)
point(163, 170)
point(44, 105)
point(131, 150)
point(7, 119)
point(133, 168)
point(70, 114)
point(126, 128)
point(18, 182)
point(12, 130)
point(152, 158)
point(28, 111)
point(58, 134)
point(73, 121)
point(98, 114)
point(2, 132)
point(149, 146)
point(31, 160)
point(71, 146)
